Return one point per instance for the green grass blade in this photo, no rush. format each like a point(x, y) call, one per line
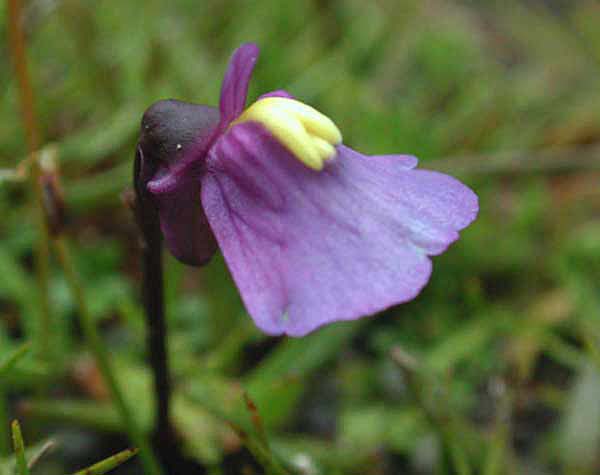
point(13, 359)
point(19, 446)
point(109, 464)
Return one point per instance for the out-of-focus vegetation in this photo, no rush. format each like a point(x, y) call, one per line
point(494, 369)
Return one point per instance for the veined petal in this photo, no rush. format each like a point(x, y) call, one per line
point(307, 248)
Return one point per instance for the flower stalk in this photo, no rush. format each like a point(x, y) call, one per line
point(164, 434)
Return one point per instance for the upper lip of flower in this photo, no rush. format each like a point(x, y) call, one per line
point(307, 133)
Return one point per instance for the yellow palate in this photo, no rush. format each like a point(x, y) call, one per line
point(304, 131)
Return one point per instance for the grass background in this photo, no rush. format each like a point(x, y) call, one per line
point(503, 95)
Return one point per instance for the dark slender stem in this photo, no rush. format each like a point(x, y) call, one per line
point(165, 435)
point(153, 295)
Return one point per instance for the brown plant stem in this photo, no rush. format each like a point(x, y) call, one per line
point(18, 50)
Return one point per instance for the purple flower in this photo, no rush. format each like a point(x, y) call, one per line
point(313, 232)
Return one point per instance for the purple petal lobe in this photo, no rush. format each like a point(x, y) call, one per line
point(235, 83)
point(308, 248)
point(277, 93)
point(184, 225)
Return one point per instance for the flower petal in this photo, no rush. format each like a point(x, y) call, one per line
point(182, 220)
point(235, 83)
point(276, 93)
point(308, 248)
point(184, 225)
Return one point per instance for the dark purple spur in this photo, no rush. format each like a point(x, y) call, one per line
point(313, 232)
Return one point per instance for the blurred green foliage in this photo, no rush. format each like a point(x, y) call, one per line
point(505, 337)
